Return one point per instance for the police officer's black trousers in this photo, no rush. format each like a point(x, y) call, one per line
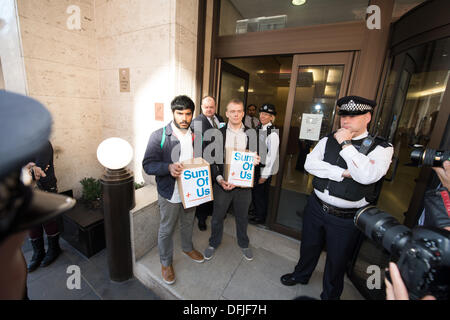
point(204, 210)
point(260, 197)
point(338, 235)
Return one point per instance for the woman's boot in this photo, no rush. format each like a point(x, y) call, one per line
point(38, 253)
point(53, 250)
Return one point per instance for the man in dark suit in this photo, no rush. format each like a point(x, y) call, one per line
point(208, 119)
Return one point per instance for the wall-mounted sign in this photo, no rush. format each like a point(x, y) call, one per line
point(124, 79)
point(159, 111)
point(311, 124)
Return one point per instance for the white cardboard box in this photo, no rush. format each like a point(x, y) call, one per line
point(239, 168)
point(195, 183)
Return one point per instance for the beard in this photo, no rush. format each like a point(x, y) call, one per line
point(182, 122)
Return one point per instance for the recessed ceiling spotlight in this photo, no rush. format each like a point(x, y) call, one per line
point(298, 2)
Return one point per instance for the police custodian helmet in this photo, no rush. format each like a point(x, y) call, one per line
point(354, 105)
point(25, 127)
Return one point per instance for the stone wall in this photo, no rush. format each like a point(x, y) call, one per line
point(156, 40)
point(62, 72)
point(75, 73)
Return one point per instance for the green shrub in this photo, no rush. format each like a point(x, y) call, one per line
point(92, 189)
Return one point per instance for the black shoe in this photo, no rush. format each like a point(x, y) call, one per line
point(38, 254)
point(256, 220)
point(290, 280)
point(53, 250)
point(202, 225)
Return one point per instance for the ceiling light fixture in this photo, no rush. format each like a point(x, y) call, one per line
point(298, 2)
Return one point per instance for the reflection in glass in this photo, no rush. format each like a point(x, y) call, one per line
point(232, 87)
point(415, 89)
point(312, 119)
point(238, 16)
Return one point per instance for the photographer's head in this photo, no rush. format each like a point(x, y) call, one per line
point(355, 113)
point(27, 126)
point(183, 110)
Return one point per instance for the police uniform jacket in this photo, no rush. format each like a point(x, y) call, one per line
point(328, 160)
point(269, 140)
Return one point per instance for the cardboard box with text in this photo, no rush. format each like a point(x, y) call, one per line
point(239, 168)
point(195, 183)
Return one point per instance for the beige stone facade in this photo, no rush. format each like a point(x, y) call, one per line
point(75, 73)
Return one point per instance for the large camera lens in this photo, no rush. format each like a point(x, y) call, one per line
point(382, 228)
point(429, 157)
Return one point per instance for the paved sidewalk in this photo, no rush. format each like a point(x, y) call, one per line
point(50, 283)
point(229, 276)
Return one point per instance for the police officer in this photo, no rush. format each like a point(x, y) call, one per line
point(347, 165)
point(269, 140)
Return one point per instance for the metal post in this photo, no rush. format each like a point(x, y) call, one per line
point(118, 200)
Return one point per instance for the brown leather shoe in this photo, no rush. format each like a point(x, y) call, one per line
point(168, 274)
point(195, 255)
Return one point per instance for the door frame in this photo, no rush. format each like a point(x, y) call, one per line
point(310, 59)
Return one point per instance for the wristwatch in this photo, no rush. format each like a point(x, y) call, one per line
point(346, 142)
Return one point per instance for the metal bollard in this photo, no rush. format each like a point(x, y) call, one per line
point(118, 200)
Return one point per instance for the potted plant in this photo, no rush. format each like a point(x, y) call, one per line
point(91, 193)
point(83, 225)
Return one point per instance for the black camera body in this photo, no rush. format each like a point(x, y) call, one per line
point(421, 254)
point(429, 157)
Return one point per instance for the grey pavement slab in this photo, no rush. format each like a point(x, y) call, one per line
point(50, 283)
point(194, 280)
point(252, 283)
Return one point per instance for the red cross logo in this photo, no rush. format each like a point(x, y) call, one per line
point(188, 195)
point(232, 174)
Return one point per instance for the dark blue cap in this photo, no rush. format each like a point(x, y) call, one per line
point(25, 126)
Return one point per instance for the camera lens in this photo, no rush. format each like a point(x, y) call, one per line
point(417, 156)
point(429, 157)
point(382, 228)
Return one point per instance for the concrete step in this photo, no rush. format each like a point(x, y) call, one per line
point(228, 275)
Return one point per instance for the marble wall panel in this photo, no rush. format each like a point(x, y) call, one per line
point(46, 78)
point(54, 13)
point(50, 43)
point(117, 17)
point(147, 47)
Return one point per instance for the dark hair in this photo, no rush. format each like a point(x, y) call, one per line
point(182, 103)
point(252, 105)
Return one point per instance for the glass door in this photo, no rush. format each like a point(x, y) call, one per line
point(233, 84)
point(317, 81)
point(415, 112)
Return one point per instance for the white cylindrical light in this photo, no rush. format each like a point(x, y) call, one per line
point(298, 2)
point(114, 153)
